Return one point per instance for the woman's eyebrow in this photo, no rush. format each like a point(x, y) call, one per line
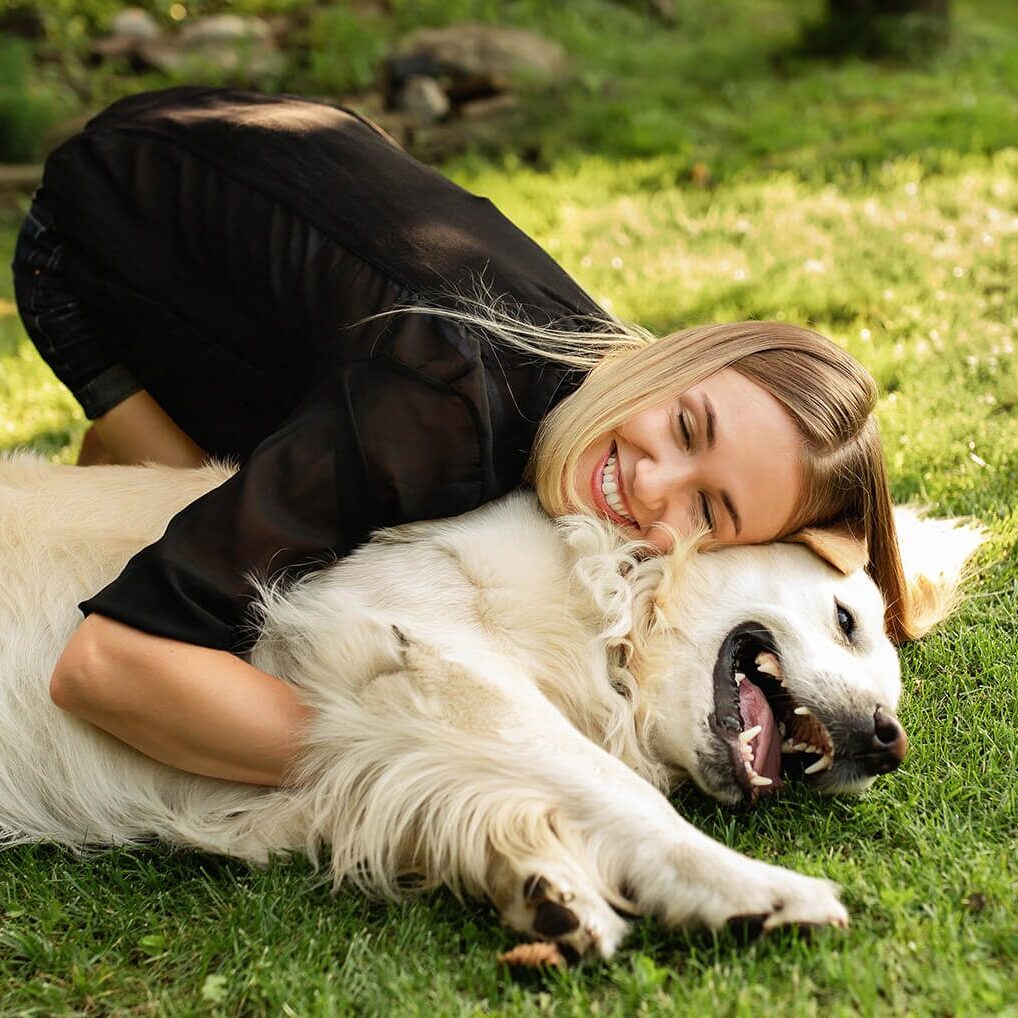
point(708, 412)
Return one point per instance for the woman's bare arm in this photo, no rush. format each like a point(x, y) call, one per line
point(200, 710)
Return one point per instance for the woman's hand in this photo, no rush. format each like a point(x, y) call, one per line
point(200, 710)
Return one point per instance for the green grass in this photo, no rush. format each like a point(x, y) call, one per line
point(881, 205)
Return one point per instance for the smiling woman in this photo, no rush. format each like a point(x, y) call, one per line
point(723, 457)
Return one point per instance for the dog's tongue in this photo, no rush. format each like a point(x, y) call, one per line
point(766, 746)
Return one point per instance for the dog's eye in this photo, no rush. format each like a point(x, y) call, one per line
point(846, 620)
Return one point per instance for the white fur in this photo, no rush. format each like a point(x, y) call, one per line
point(497, 697)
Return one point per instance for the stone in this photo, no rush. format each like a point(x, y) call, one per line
point(134, 23)
point(470, 60)
point(130, 30)
point(423, 99)
point(228, 29)
point(235, 46)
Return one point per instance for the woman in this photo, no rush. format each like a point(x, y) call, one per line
point(273, 280)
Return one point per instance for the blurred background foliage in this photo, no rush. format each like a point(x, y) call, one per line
point(717, 86)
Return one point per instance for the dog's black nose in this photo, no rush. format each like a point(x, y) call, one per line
point(888, 745)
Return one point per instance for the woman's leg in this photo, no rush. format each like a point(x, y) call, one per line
point(92, 452)
point(128, 425)
point(138, 430)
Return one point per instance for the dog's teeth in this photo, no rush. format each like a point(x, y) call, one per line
point(781, 727)
point(767, 663)
point(800, 747)
point(750, 733)
point(748, 766)
point(739, 677)
point(760, 781)
point(823, 764)
point(803, 712)
point(787, 746)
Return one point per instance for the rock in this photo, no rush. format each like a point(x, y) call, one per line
point(224, 29)
point(423, 99)
point(665, 10)
point(472, 60)
point(134, 23)
point(130, 30)
point(241, 48)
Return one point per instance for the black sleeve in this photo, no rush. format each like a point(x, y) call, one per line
point(376, 445)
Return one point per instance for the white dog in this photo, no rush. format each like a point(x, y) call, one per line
point(500, 702)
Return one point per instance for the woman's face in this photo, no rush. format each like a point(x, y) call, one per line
point(724, 454)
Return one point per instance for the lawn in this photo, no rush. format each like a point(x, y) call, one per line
point(879, 204)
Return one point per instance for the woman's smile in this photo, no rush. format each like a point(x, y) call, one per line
point(608, 490)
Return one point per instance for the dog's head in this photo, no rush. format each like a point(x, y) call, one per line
point(776, 665)
point(779, 667)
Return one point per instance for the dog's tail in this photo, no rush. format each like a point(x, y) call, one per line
point(935, 554)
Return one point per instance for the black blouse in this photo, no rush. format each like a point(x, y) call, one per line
point(230, 246)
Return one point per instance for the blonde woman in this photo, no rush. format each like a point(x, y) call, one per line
point(217, 273)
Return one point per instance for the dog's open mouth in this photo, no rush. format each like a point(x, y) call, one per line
point(768, 733)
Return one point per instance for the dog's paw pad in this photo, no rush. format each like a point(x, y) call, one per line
point(554, 920)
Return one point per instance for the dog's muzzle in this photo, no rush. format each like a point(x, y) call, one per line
point(772, 734)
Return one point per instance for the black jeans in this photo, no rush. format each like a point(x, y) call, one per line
point(58, 323)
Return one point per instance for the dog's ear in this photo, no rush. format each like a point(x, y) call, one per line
point(934, 557)
point(841, 544)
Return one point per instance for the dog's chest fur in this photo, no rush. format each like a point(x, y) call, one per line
point(503, 585)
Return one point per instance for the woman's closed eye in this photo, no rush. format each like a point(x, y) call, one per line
point(706, 514)
point(686, 429)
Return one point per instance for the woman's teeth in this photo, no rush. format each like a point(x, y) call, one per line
point(610, 489)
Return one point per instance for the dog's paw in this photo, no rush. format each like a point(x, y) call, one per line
point(785, 898)
point(819, 907)
point(576, 920)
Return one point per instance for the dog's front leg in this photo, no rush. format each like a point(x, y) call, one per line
point(656, 860)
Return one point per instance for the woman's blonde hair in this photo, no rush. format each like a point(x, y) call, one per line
point(828, 394)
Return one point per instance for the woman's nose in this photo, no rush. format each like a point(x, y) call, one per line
point(660, 481)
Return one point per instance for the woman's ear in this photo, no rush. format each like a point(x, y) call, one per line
point(842, 545)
